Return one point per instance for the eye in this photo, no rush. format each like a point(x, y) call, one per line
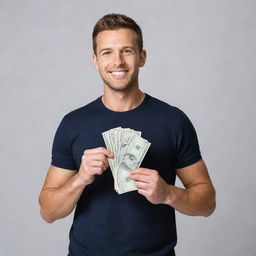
point(106, 53)
point(127, 51)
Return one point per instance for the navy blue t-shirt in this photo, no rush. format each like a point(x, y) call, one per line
point(109, 224)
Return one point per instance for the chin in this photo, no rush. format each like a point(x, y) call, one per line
point(122, 88)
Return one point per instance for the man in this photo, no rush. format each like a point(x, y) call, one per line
point(141, 222)
point(129, 162)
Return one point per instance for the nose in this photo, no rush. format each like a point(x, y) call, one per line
point(118, 59)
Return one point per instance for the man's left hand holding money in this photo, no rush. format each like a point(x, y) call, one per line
point(151, 185)
point(194, 200)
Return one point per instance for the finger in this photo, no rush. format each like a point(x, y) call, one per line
point(96, 163)
point(143, 171)
point(143, 192)
point(96, 157)
point(101, 150)
point(141, 185)
point(96, 170)
point(140, 177)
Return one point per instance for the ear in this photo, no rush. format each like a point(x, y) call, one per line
point(95, 61)
point(143, 57)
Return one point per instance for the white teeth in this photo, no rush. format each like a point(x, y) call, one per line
point(118, 72)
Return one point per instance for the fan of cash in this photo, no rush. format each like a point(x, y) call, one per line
point(129, 149)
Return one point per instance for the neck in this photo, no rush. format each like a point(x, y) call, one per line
point(122, 100)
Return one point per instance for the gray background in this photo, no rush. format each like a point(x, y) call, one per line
point(201, 58)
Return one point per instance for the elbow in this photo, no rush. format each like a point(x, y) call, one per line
point(49, 220)
point(46, 217)
point(211, 206)
point(210, 210)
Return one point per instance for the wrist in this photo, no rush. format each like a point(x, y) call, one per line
point(170, 195)
point(79, 181)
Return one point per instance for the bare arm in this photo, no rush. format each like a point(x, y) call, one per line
point(60, 193)
point(197, 199)
point(63, 188)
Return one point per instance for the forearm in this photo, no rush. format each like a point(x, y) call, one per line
point(57, 203)
point(198, 200)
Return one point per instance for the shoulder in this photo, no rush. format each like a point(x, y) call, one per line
point(163, 108)
point(81, 113)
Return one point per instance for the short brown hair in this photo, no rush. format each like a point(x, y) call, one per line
point(116, 21)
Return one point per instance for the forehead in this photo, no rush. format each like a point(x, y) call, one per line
point(116, 38)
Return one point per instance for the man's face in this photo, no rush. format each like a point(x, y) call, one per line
point(118, 58)
point(130, 160)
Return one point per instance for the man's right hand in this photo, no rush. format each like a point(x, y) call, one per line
point(63, 188)
point(94, 162)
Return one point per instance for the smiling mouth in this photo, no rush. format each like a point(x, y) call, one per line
point(118, 74)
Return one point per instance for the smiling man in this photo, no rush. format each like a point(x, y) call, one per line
point(140, 222)
point(118, 59)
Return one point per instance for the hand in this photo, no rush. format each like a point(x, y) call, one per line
point(150, 184)
point(94, 162)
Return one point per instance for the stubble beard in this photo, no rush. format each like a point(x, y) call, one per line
point(125, 88)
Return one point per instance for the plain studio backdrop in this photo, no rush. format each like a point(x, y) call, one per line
point(201, 58)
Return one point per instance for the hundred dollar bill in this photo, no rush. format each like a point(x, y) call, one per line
point(132, 159)
point(126, 136)
point(110, 146)
point(129, 150)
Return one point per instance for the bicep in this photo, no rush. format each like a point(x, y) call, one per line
point(56, 177)
point(194, 174)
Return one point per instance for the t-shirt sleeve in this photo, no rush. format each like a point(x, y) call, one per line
point(61, 148)
point(187, 146)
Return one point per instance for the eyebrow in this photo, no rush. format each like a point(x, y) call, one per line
point(108, 48)
point(104, 49)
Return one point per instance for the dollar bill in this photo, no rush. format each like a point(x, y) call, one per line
point(131, 159)
point(129, 149)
